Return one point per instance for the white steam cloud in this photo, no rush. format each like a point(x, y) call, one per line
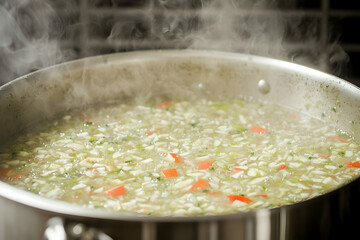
point(28, 32)
point(30, 29)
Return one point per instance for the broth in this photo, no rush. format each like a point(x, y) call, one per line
point(182, 157)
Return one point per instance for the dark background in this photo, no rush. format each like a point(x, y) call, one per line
point(320, 31)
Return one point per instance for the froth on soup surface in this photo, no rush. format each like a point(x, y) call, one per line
point(181, 157)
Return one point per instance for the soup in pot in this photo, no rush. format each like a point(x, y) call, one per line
point(196, 157)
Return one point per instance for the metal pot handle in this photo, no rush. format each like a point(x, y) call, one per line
point(56, 230)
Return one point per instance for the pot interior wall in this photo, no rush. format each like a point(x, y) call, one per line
point(175, 75)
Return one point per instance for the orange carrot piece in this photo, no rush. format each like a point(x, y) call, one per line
point(205, 165)
point(293, 115)
point(324, 156)
point(164, 105)
point(340, 140)
point(116, 191)
point(4, 172)
point(175, 157)
point(149, 133)
point(282, 166)
point(170, 172)
point(199, 185)
point(85, 118)
point(17, 176)
point(257, 129)
point(262, 195)
point(215, 194)
point(237, 169)
point(353, 164)
point(233, 198)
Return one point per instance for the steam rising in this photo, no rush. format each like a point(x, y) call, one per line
point(28, 32)
point(250, 32)
point(30, 29)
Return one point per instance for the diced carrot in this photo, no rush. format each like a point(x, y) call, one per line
point(205, 165)
point(237, 169)
point(293, 115)
point(85, 118)
point(282, 166)
point(324, 156)
point(164, 105)
point(199, 185)
point(262, 195)
point(233, 198)
point(116, 191)
point(148, 133)
point(4, 172)
point(215, 194)
point(17, 176)
point(355, 164)
point(170, 172)
point(257, 129)
point(340, 140)
point(175, 157)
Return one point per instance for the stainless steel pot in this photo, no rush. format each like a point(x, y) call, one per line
point(177, 74)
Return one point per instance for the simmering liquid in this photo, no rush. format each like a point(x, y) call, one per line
point(182, 157)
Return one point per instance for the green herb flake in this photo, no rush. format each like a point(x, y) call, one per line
point(221, 106)
point(295, 180)
point(15, 150)
point(310, 157)
point(92, 139)
point(193, 125)
point(87, 123)
point(237, 127)
point(340, 166)
point(342, 153)
point(264, 187)
point(127, 138)
point(212, 169)
point(128, 161)
point(205, 190)
point(333, 109)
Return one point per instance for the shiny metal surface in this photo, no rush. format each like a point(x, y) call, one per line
point(142, 75)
